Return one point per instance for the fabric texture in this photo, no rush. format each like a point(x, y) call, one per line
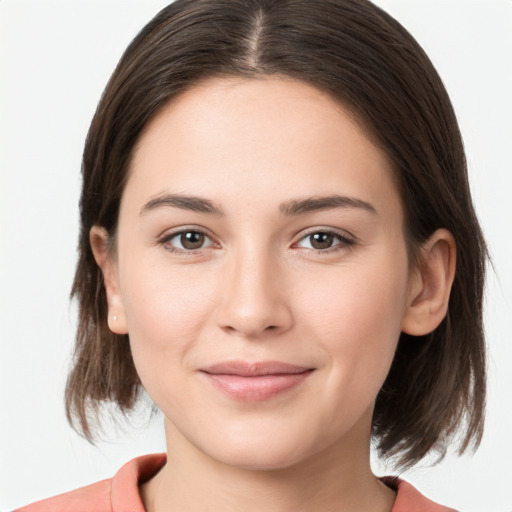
point(121, 493)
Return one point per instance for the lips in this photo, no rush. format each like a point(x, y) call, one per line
point(255, 381)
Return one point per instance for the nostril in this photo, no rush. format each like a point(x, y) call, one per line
point(252, 315)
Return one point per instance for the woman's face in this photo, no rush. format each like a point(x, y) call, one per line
point(261, 271)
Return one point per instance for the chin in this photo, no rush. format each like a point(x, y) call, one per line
point(263, 452)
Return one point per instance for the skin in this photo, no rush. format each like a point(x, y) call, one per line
point(259, 289)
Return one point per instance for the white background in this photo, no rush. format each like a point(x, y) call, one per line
point(56, 57)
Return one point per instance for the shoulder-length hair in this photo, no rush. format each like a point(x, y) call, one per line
point(368, 62)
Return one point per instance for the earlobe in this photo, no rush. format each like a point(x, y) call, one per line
point(430, 285)
point(99, 240)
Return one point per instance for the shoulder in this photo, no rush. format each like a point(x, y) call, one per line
point(95, 497)
point(117, 494)
point(409, 499)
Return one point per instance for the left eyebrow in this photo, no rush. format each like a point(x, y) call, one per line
point(311, 204)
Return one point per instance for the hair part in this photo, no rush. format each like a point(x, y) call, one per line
point(370, 64)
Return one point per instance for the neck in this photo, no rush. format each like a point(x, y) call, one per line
point(337, 479)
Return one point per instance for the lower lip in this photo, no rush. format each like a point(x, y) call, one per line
point(256, 388)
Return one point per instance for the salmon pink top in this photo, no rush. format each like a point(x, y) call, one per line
point(121, 493)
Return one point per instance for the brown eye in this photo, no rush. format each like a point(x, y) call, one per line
point(186, 241)
point(321, 240)
point(192, 240)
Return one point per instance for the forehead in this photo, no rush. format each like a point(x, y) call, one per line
point(241, 108)
point(232, 136)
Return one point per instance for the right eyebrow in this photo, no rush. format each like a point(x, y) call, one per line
point(191, 203)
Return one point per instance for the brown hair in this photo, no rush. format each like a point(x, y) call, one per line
point(367, 61)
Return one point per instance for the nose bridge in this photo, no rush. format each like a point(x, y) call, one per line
point(253, 301)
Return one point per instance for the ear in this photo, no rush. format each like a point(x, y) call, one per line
point(430, 284)
point(99, 240)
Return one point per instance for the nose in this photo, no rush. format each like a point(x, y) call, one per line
point(254, 296)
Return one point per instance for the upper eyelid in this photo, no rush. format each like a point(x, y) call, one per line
point(168, 234)
point(331, 231)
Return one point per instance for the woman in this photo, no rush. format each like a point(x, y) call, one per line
point(278, 244)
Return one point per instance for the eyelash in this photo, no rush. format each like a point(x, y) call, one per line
point(165, 241)
point(344, 241)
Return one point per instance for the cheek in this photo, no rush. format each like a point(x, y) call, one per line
point(356, 317)
point(166, 309)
